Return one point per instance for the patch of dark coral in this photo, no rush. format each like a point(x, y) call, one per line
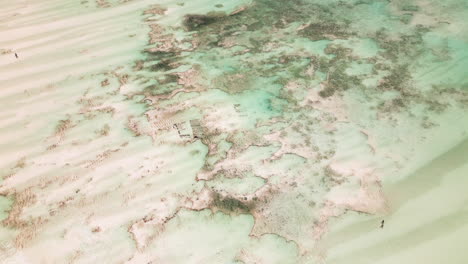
point(327, 92)
point(398, 102)
point(398, 79)
point(339, 80)
point(335, 68)
point(410, 8)
point(326, 30)
point(193, 22)
point(229, 204)
point(408, 46)
point(163, 65)
point(267, 16)
point(153, 55)
point(339, 52)
point(168, 78)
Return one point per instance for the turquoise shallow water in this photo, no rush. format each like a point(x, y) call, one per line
point(234, 131)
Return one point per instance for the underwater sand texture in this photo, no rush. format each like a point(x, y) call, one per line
point(246, 131)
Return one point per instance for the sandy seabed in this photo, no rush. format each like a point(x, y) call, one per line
point(233, 131)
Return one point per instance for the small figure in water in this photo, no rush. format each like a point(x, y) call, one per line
point(16, 55)
point(382, 223)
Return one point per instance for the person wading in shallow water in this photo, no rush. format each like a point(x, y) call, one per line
point(16, 55)
point(382, 223)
